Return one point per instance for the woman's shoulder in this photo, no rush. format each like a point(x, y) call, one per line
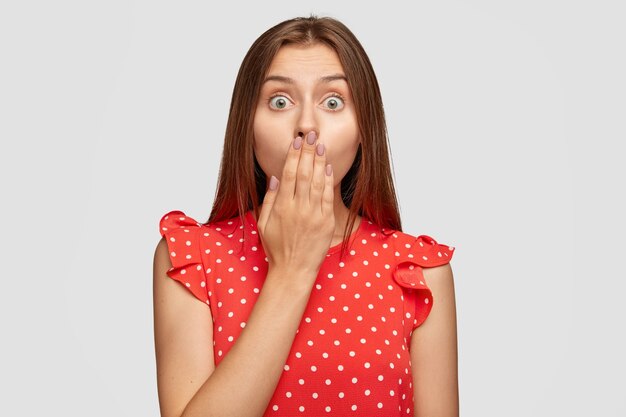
point(422, 249)
point(177, 219)
point(219, 236)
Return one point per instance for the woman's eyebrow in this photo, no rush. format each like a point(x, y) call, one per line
point(287, 80)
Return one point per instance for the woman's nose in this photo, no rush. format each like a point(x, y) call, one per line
point(306, 119)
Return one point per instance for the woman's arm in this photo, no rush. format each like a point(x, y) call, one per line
point(434, 362)
point(245, 380)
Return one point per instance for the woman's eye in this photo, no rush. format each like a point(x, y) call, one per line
point(335, 102)
point(280, 102)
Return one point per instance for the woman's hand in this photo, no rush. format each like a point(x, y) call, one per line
point(296, 222)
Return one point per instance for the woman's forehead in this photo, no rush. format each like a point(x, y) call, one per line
point(297, 58)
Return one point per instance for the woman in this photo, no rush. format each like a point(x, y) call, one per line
point(289, 322)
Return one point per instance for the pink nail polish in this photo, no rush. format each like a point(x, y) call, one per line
point(297, 143)
point(273, 183)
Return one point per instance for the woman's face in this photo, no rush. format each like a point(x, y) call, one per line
point(301, 100)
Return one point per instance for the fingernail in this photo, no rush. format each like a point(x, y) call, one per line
point(273, 183)
point(311, 137)
point(320, 149)
point(297, 143)
point(329, 170)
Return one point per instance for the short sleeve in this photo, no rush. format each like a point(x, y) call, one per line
point(182, 235)
point(424, 252)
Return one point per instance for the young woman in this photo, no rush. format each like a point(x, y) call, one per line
point(301, 295)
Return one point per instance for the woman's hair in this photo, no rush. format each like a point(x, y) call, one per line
point(367, 188)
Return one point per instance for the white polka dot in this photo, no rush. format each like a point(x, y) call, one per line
point(313, 368)
point(355, 380)
point(301, 408)
point(288, 394)
point(275, 408)
point(380, 405)
point(367, 392)
point(314, 395)
point(353, 407)
point(327, 409)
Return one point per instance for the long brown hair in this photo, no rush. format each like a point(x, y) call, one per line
point(367, 188)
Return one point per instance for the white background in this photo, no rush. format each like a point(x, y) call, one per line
point(506, 124)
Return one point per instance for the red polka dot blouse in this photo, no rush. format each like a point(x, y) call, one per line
point(350, 355)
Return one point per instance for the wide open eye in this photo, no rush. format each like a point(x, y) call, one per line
point(335, 102)
point(278, 102)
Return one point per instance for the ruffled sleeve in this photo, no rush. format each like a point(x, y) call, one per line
point(424, 252)
point(182, 236)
